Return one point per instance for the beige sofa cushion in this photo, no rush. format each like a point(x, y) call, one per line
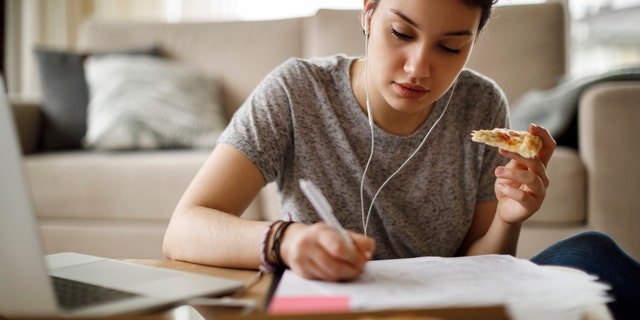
point(241, 53)
point(523, 48)
point(118, 239)
point(132, 185)
point(321, 29)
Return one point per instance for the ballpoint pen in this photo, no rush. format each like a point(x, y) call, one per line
point(323, 208)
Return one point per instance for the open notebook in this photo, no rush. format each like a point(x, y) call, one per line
point(72, 284)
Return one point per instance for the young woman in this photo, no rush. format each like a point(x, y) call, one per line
point(386, 137)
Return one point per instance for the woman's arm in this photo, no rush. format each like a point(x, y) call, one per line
point(520, 189)
point(488, 235)
point(206, 227)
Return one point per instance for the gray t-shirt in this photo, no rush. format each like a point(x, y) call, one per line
point(302, 121)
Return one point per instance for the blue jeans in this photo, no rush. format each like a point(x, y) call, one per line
point(596, 253)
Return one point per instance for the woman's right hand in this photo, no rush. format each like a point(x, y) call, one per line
point(319, 252)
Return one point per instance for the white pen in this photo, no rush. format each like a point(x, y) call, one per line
point(323, 208)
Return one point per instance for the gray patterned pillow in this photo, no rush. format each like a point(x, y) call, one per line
point(142, 102)
point(65, 95)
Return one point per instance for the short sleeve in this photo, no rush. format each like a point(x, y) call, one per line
point(261, 128)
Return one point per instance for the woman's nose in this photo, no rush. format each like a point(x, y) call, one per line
point(418, 64)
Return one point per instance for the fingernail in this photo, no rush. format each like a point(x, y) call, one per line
point(499, 170)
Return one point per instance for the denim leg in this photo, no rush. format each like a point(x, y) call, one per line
point(596, 253)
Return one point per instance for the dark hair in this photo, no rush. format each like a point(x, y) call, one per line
point(484, 5)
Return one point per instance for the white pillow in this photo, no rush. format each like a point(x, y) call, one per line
point(144, 102)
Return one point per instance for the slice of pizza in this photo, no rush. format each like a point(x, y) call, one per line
point(521, 142)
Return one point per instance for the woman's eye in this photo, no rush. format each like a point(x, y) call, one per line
point(400, 35)
point(450, 50)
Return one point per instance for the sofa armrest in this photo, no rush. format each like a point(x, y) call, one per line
point(27, 116)
point(565, 203)
point(608, 118)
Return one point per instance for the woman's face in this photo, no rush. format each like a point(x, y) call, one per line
point(417, 48)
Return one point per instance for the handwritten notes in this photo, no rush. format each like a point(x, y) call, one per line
point(449, 282)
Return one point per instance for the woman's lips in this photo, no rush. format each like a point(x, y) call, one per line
point(411, 91)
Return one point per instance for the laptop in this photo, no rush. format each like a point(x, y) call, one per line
point(34, 285)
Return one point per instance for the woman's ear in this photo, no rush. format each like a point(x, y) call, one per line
point(367, 20)
point(366, 16)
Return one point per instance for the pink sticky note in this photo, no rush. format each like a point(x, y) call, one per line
point(308, 304)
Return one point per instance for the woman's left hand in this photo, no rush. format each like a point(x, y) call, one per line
point(521, 185)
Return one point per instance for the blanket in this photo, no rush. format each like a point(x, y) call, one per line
point(556, 109)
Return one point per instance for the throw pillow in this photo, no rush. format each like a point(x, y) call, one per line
point(139, 102)
point(64, 99)
point(65, 96)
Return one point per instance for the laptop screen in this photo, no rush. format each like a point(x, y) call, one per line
point(25, 284)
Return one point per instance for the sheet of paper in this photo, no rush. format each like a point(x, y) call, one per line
point(465, 281)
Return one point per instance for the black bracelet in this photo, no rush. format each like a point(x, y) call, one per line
point(277, 239)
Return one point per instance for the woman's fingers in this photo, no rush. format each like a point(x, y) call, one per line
point(520, 186)
point(319, 252)
point(548, 143)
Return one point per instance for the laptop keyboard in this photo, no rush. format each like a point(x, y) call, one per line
point(73, 294)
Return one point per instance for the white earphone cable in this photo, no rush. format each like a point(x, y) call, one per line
point(370, 117)
point(365, 219)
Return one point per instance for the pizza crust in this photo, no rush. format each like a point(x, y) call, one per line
point(521, 142)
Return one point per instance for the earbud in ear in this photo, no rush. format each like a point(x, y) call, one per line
point(366, 21)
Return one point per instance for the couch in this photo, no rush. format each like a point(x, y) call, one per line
point(118, 204)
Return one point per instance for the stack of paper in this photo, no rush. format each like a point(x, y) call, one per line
point(523, 287)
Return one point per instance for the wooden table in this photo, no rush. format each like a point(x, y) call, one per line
point(257, 292)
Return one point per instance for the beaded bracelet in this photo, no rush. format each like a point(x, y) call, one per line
point(266, 265)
